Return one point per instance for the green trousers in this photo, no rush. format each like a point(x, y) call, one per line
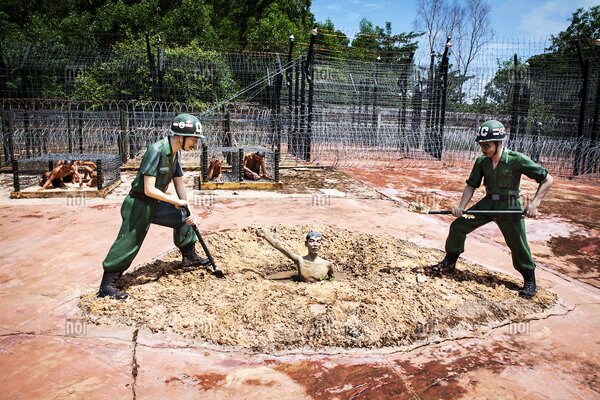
point(512, 228)
point(137, 216)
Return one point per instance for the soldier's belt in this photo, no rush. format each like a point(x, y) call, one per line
point(502, 197)
point(141, 196)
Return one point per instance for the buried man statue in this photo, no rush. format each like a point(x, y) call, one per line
point(147, 203)
point(501, 170)
point(311, 267)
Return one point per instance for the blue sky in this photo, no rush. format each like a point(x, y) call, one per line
point(513, 19)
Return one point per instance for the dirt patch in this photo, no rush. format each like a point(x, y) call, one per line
point(360, 381)
point(207, 381)
point(583, 251)
point(312, 180)
point(375, 300)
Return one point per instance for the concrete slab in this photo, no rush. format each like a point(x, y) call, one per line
point(48, 367)
point(52, 251)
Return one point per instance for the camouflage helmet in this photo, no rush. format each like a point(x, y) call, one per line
point(186, 125)
point(491, 131)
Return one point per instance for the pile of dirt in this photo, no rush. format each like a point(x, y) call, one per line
point(381, 296)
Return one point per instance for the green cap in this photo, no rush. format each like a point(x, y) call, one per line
point(187, 125)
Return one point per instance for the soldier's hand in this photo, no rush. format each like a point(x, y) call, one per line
point(191, 220)
point(457, 212)
point(531, 211)
point(181, 203)
point(260, 232)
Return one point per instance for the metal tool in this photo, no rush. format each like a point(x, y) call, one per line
point(481, 212)
point(215, 270)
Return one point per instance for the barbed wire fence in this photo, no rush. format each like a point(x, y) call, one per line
point(310, 106)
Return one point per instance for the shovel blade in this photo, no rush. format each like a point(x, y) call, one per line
point(218, 273)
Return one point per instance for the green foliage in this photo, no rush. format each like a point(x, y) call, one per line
point(326, 277)
point(271, 32)
point(585, 25)
point(330, 40)
point(498, 91)
point(236, 23)
point(100, 42)
point(192, 75)
point(371, 42)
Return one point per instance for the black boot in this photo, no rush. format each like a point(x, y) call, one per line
point(529, 288)
point(191, 259)
point(447, 265)
point(107, 286)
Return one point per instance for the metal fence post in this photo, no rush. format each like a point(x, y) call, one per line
point(240, 164)
point(204, 162)
point(293, 136)
point(439, 142)
point(585, 66)
point(310, 75)
point(290, 85)
point(99, 173)
point(276, 162)
point(430, 105)
point(6, 138)
point(15, 171)
point(514, 119)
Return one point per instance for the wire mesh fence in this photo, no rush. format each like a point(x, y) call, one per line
point(310, 106)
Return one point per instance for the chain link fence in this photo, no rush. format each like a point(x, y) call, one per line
point(309, 106)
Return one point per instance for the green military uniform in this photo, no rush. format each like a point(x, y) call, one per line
point(139, 211)
point(502, 193)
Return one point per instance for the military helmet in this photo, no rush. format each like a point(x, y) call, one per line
point(186, 125)
point(491, 131)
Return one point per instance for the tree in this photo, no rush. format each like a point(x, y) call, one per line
point(192, 75)
point(585, 25)
point(470, 33)
point(278, 21)
point(371, 42)
point(498, 91)
point(468, 26)
point(431, 19)
point(331, 40)
point(249, 23)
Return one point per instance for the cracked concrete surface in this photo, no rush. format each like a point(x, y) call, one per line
point(46, 351)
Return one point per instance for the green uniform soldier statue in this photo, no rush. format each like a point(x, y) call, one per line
point(148, 203)
point(501, 170)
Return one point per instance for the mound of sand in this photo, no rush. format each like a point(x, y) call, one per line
point(380, 296)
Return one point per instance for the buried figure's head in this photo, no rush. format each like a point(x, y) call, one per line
point(313, 241)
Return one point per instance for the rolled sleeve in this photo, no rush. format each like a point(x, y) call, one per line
point(150, 162)
point(531, 169)
point(476, 174)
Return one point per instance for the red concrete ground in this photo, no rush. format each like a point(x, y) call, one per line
point(52, 250)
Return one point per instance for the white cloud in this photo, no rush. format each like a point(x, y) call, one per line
point(550, 17)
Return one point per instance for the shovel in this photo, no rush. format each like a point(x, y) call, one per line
point(424, 209)
point(480, 212)
point(215, 270)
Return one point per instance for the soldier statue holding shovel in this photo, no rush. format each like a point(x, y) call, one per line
point(501, 170)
